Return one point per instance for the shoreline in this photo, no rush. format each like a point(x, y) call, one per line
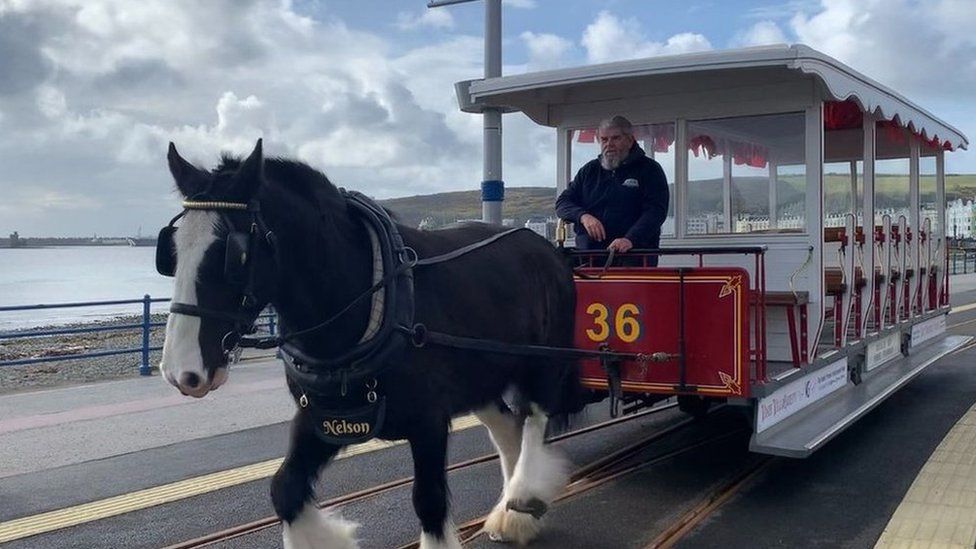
point(78, 370)
point(61, 373)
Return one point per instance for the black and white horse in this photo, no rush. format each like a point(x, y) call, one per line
point(276, 231)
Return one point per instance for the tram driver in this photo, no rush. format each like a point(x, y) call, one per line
point(619, 200)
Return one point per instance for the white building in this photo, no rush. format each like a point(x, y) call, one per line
point(959, 219)
point(539, 226)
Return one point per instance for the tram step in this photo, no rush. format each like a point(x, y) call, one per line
point(800, 434)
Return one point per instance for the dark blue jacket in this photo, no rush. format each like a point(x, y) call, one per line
point(631, 201)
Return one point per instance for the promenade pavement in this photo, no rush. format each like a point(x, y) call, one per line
point(64, 426)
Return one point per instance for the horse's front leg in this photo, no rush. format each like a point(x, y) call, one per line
point(505, 429)
point(429, 448)
point(305, 526)
point(540, 475)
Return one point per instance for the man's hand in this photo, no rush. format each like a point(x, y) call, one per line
point(593, 227)
point(621, 245)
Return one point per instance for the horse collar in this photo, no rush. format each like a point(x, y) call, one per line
point(391, 305)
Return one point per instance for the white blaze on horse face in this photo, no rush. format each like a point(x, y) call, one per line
point(181, 348)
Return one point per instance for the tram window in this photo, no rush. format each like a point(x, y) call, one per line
point(843, 171)
point(891, 189)
point(927, 197)
point(747, 174)
point(839, 200)
point(657, 140)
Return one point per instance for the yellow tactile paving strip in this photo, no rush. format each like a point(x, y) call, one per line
point(167, 493)
point(939, 509)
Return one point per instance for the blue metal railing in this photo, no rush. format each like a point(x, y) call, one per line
point(962, 260)
point(268, 317)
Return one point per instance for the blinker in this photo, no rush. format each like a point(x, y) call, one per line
point(235, 257)
point(166, 251)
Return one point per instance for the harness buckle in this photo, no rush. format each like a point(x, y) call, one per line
point(418, 335)
point(230, 341)
point(371, 391)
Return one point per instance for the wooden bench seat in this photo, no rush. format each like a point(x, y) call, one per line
point(794, 303)
point(782, 299)
point(834, 280)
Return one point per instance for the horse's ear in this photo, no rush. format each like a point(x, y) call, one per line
point(184, 173)
point(251, 172)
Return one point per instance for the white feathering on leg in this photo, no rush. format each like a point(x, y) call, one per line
point(506, 434)
point(540, 474)
point(318, 529)
point(450, 541)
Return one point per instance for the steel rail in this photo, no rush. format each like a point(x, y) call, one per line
point(710, 503)
point(599, 476)
point(373, 491)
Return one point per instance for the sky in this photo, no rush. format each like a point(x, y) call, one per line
point(92, 91)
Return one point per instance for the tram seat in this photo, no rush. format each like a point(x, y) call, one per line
point(794, 303)
point(834, 280)
point(835, 234)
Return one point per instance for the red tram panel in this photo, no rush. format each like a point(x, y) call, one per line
point(636, 310)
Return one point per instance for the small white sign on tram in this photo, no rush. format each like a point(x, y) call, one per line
point(882, 351)
point(924, 331)
point(799, 394)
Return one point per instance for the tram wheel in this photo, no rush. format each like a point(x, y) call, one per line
point(694, 405)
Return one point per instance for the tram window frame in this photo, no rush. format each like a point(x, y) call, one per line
point(730, 167)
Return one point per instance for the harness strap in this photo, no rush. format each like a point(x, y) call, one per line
point(466, 249)
point(421, 337)
point(195, 310)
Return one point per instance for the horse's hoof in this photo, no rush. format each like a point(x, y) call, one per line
point(517, 528)
point(534, 506)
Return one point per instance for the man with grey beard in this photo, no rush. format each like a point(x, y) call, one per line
point(618, 200)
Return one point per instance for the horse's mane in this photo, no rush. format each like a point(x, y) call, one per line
point(284, 173)
point(294, 175)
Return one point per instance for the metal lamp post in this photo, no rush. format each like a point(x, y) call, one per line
point(492, 186)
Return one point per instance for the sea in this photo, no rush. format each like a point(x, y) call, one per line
point(73, 274)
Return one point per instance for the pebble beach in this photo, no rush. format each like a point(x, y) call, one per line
point(82, 370)
point(58, 373)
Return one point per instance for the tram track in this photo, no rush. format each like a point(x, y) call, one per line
point(610, 468)
point(710, 503)
point(260, 525)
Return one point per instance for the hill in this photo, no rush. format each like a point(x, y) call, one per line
point(521, 204)
point(751, 194)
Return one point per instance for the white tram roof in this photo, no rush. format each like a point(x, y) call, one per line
point(540, 94)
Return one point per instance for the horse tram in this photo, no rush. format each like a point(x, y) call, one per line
point(802, 279)
point(773, 293)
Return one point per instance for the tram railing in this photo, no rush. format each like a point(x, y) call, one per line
point(962, 260)
point(267, 322)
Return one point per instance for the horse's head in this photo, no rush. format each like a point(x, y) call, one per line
point(221, 259)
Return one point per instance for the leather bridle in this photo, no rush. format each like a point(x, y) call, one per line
point(239, 265)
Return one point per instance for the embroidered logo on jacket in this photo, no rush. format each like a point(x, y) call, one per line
point(630, 182)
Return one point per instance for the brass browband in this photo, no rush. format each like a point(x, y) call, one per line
point(213, 205)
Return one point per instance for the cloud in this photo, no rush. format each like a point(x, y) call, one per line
point(610, 38)
point(546, 51)
point(782, 10)
point(760, 34)
point(430, 18)
point(917, 48)
point(521, 4)
point(104, 85)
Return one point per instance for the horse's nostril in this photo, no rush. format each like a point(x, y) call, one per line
point(189, 380)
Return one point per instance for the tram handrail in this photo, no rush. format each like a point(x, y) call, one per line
point(268, 317)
